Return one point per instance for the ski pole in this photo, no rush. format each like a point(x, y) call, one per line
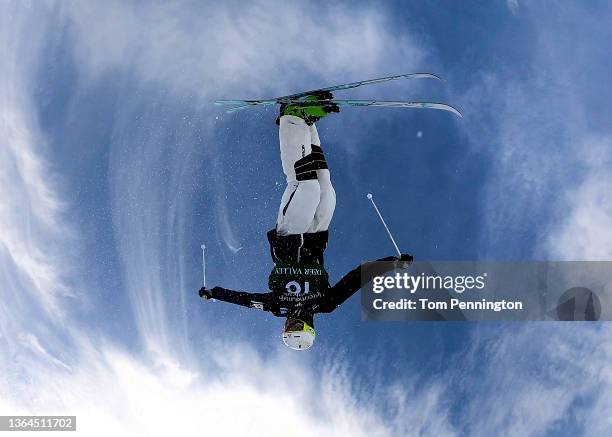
point(369, 196)
point(203, 246)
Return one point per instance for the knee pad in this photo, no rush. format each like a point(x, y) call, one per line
point(306, 168)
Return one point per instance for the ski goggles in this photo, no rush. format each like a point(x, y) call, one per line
point(295, 325)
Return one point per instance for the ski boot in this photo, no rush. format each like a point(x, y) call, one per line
point(311, 109)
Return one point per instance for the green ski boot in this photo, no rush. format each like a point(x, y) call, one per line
point(311, 109)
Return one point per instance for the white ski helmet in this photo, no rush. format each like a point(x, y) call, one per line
point(298, 335)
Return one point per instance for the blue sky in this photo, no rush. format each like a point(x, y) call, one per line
point(115, 167)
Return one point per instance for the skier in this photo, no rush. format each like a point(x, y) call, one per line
point(298, 283)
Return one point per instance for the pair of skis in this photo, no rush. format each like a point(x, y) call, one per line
point(237, 105)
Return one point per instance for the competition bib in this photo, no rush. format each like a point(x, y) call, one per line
point(298, 279)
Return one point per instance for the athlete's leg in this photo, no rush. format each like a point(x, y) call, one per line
point(302, 195)
point(327, 203)
point(314, 135)
point(298, 207)
point(295, 143)
point(327, 200)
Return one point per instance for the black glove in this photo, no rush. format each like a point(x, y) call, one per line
point(404, 261)
point(205, 293)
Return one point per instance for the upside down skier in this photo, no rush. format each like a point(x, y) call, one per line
point(298, 284)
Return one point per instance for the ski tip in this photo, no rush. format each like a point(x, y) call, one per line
point(430, 75)
point(448, 108)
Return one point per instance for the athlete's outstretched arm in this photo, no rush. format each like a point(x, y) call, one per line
point(261, 301)
point(352, 281)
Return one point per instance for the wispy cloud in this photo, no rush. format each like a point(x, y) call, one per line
point(584, 228)
point(547, 150)
point(30, 341)
point(225, 48)
point(546, 196)
point(35, 238)
point(526, 384)
point(513, 5)
point(535, 378)
point(112, 391)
